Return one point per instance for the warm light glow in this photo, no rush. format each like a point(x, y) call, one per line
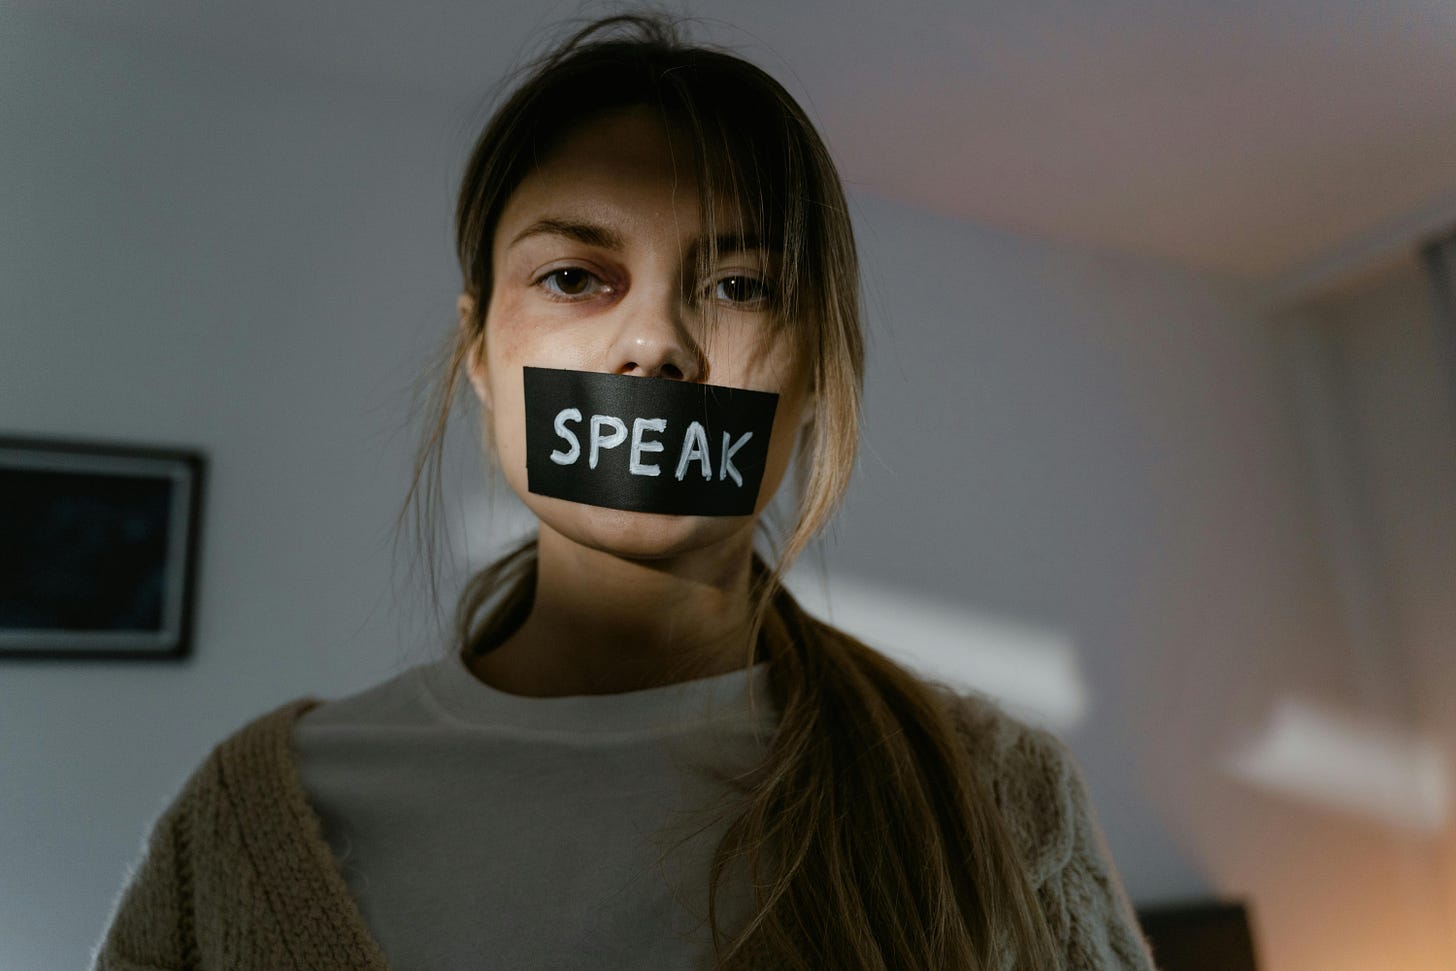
point(1349, 764)
point(1032, 670)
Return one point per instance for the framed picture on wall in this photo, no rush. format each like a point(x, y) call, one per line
point(98, 549)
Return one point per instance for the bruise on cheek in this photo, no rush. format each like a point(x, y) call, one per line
point(502, 324)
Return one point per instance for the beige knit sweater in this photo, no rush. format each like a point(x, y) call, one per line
point(238, 874)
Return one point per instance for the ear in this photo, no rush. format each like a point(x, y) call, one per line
point(475, 359)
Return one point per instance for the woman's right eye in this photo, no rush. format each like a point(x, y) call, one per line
point(571, 283)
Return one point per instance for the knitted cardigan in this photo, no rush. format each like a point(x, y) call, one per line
point(237, 873)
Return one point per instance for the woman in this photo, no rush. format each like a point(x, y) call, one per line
point(659, 317)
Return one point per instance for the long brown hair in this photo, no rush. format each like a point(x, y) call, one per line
point(870, 838)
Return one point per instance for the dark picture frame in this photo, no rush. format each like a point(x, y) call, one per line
point(98, 549)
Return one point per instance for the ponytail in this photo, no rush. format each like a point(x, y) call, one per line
point(869, 838)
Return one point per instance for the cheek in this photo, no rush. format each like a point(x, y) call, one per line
point(507, 348)
point(505, 331)
point(504, 347)
point(783, 438)
point(747, 359)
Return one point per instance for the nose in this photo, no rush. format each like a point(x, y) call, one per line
point(652, 342)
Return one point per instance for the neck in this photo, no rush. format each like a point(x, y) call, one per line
point(604, 624)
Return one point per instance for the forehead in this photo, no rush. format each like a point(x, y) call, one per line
point(627, 167)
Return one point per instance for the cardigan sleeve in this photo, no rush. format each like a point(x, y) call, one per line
point(1049, 816)
point(1086, 905)
point(151, 928)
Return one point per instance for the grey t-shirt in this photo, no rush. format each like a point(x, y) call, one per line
point(479, 829)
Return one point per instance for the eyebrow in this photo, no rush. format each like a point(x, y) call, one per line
point(592, 234)
point(595, 234)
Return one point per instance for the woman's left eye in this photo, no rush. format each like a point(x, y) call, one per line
point(741, 289)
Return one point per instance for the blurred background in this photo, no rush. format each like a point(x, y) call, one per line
point(1161, 440)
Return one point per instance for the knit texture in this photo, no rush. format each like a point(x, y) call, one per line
point(1044, 801)
point(237, 873)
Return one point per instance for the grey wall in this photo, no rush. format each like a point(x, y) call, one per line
point(1098, 447)
point(193, 256)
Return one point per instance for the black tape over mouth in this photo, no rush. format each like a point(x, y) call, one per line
point(646, 444)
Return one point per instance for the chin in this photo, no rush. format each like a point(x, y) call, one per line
point(637, 535)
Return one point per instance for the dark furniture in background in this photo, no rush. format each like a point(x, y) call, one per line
point(1199, 936)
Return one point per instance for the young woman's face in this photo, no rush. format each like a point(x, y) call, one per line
point(594, 270)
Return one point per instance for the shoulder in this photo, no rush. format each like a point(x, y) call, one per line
point(256, 761)
point(256, 749)
point(1045, 805)
point(1031, 773)
point(1048, 810)
point(1029, 770)
point(188, 856)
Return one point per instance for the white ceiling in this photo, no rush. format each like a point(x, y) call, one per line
point(1278, 141)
